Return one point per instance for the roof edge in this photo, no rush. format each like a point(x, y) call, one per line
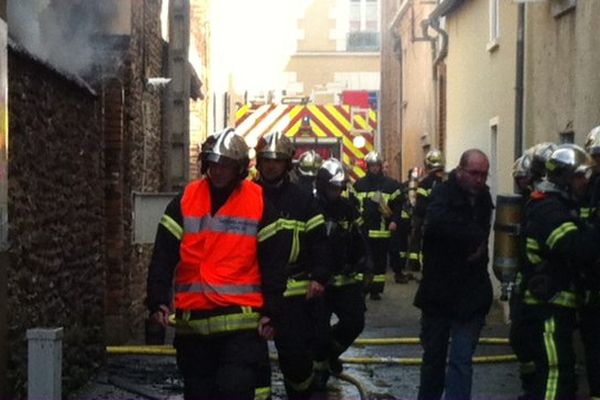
point(445, 8)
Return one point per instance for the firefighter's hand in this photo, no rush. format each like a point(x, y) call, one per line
point(392, 226)
point(161, 316)
point(265, 328)
point(315, 289)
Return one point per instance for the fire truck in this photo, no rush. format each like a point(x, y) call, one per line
point(342, 131)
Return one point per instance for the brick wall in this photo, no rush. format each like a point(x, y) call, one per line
point(56, 276)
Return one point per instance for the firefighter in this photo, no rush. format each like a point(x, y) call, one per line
point(558, 248)
point(524, 182)
point(220, 314)
point(434, 169)
point(308, 267)
point(344, 294)
point(589, 313)
point(399, 240)
point(379, 198)
point(306, 170)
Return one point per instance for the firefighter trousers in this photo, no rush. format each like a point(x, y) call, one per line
point(552, 350)
point(589, 327)
point(221, 366)
point(521, 342)
point(378, 249)
point(294, 339)
point(348, 304)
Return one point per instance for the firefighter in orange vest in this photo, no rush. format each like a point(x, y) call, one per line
point(212, 251)
point(308, 267)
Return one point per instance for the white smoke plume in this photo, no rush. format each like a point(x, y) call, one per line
point(64, 33)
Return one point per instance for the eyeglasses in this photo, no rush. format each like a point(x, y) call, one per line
point(476, 174)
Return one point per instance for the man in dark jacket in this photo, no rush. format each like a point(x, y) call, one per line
point(455, 293)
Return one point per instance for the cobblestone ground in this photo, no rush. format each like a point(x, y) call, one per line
point(131, 377)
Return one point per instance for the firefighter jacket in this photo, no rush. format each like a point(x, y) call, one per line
point(212, 244)
point(380, 203)
point(348, 246)
point(588, 212)
point(424, 192)
point(301, 225)
point(589, 205)
point(559, 247)
point(455, 280)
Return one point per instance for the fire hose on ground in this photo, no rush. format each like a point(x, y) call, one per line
point(167, 350)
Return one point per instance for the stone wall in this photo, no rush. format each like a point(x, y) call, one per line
point(146, 130)
point(57, 272)
point(136, 140)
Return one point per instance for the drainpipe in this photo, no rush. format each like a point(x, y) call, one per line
point(519, 90)
point(434, 23)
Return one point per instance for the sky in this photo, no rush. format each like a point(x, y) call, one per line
point(253, 40)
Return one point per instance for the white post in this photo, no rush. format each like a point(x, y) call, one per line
point(44, 365)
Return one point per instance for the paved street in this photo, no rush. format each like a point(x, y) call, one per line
point(394, 316)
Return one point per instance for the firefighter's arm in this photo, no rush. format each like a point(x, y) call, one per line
point(576, 242)
point(395, 203)
point(272, 261)
point(165, 257)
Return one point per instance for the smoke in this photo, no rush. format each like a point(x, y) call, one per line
point(62, 32)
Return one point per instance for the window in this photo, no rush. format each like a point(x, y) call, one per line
point(363, 29)
point(494, 24)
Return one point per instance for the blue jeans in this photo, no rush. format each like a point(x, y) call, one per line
point(456, 377)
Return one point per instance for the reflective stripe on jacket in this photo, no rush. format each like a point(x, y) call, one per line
point(219, 263)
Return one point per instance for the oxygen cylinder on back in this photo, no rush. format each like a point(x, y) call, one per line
point(507, 243)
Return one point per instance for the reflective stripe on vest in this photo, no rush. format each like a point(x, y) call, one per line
point(239, 226)
point(585, 212)
point(344, 280)
point(423, 192)
point(262, 393)
point(296, 288)
point(172, 226)
point(380, 234)
point(562, 299)
point(219, 289)
point(297, 227)
point(218, 253)
point(533, 251)
point(217, 324)
point(560, 233)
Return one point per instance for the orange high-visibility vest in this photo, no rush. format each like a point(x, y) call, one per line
point(218, 254)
